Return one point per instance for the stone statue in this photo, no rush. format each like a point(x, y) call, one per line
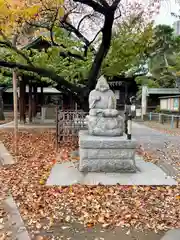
point(104, 119)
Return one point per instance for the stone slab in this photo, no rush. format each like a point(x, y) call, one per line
point(5, 157)
point(173, 234)
point(97, 154)
point(95, 142)
point(19, 228)
point(107, 165)
point(67, 174)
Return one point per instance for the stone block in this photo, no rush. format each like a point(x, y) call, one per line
point(107, 165)
point(106, 153)
point(101, 142)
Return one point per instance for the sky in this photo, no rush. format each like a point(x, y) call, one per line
point(167, 6)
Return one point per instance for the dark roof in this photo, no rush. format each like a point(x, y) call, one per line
point(159, 91)
point(3, 89)
point(175, 96)
point(35, 42)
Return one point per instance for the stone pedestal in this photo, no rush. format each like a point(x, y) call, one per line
point(106, 154)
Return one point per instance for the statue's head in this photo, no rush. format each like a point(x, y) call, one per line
point(102, 85)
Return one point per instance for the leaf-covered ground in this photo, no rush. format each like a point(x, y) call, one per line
point(144, 208)
point(165, 128)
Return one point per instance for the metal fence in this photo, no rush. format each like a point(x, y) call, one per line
point(162, 118)
point(68, 125)
point(70, 122)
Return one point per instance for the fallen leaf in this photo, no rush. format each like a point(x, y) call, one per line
point(38, 225)
point(67, 219)
point(141, 207)
point(2, 236)
point(39, 238)
point(1, 226)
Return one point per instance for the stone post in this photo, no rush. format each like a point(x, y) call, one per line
point(144, 101)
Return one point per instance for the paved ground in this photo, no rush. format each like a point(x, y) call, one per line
point(76, 231)
point(36, 124)
point(151, 138)
point(164, 146)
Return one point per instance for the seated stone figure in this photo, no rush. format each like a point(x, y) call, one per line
point(104, 119)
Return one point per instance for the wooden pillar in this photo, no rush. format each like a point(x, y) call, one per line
point(24, 109)
point(41, 99)
point(30, 101)
point(126, 91)
point(22, 101)
point(34, 111)
point(1, 107)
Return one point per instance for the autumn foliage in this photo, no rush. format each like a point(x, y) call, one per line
point(14, 14)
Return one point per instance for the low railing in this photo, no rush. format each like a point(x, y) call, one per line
point(163, 118)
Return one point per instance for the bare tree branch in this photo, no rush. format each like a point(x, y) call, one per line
point(19, 52)
point(82, 19)
point(43, 73)
point(71, 28)
point(74, 55)
point(95, 36)
point(104, 3)
point(119, 15)
point(96, 6)
point(51, 29)
point(115, 4)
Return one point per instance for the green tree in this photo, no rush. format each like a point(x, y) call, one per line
point(166, 46)
point(73, 64)
point(130, 43)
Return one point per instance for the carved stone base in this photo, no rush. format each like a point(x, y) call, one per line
point(106, 154)
point(105, 126)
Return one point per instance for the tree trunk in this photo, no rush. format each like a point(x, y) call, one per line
point(103, 50)
point(2, 118)
point(30, 101)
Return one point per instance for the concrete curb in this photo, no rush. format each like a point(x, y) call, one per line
point(173, 234)
point(5, 157)
point(168, 169)
point(18, 227)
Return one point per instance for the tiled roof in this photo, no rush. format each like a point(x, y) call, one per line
point(163, 91)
